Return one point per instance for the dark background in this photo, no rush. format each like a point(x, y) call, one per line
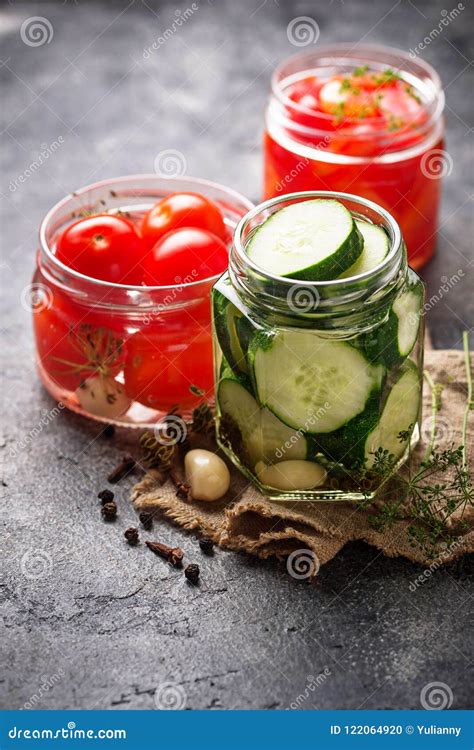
point(87, 621)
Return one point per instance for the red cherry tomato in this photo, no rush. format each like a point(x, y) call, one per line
point(182, 210)
point(162, 365)
point(183, 256)
point(104, 246)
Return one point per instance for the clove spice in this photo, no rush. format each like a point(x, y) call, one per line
point(124, 468)
point(183, 490)
point(173, 555)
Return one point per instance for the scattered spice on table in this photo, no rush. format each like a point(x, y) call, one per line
point(173, 555)
point(106, 496)
point(132, 536)
point(126, 466)
point(183, 490)
point(192, 573)
point(109, 511)
point(207, 545)
point(146, 520)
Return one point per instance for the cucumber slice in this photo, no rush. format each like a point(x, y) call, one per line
point(226, 317)
point(263, 436)
point(400, 414)
point(312, 240)
point(376, 247)
point(393, 341)
point(347, 445)
point(311, 383)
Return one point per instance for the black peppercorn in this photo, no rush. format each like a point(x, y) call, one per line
point(146, 520)
point(109, 511)
point(207, 545)
point(106, 496)
point(131, 535)
point(192, 573)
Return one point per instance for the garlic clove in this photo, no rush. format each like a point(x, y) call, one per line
point(206, 474)
point(103, 397)
point(291, 475)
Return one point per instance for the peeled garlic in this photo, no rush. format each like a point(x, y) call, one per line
point(103, 396)
point(206, 474)
point(291, 475)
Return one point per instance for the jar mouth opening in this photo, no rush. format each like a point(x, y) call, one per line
point(337, 54)
point(99, 284)
point(395, 239)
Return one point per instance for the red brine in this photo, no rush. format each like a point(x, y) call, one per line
point(367, 122)
point(120, 297)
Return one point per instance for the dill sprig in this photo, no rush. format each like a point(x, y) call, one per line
point(437, 493)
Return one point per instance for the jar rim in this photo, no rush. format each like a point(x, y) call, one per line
point(243, 258)
point(360, 51)
point(99, 284)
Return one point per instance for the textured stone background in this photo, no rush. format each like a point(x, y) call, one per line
point(87, 621)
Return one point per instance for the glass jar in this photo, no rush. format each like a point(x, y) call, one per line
point(399, 168)
point(315, 380)
point(124, 354)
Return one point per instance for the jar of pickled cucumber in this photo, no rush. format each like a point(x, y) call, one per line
point(318, 347)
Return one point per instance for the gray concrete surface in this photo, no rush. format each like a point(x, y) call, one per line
point(87, 621)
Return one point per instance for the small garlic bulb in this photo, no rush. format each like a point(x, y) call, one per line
point(291, 475)
point(206, 474)
point(103, 396)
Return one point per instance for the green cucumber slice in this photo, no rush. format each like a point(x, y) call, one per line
point(347, 444)
point(310, 383)
point(400, 413)
point(226, 317)
point(376, 247)
point(392, 341)
point(313, 240)
point(264, 437)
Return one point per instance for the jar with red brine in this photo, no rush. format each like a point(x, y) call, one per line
point(128, 350)
point(366, 120)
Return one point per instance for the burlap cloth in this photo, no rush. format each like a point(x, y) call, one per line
point(244, 520)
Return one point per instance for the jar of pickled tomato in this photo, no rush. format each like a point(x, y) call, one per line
point(366, 120)
point(126, 353)
point(318, 334)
